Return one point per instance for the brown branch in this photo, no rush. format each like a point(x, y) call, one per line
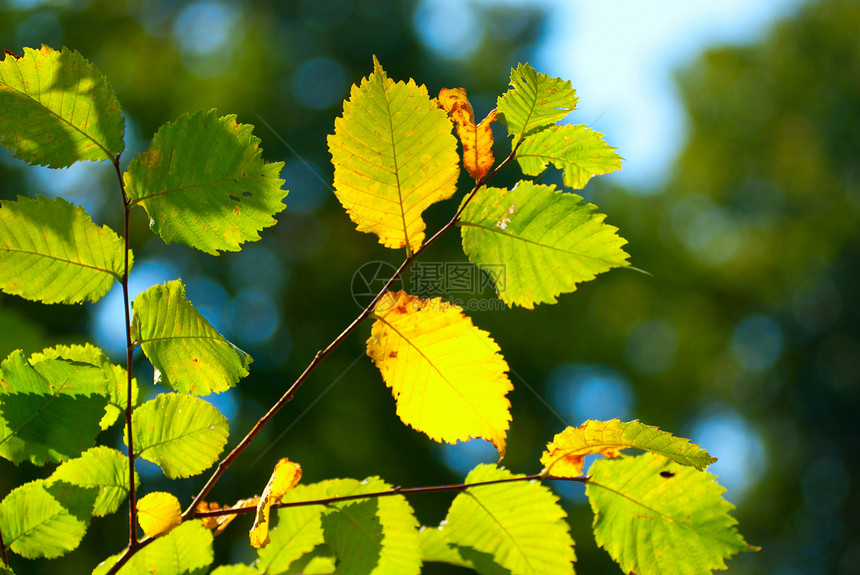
point(129, 352)
point(387, 493)
point(225, 463)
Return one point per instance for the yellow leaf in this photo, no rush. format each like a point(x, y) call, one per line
point(220, 522)
point(446, 375)
point(564, 456)
point(394, 156)
point(285, 476)
point(158, 513)
point(477, 140)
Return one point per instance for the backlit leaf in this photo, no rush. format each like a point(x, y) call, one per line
point(239, 569)
point(436, 549)
point(158, 513)
point(56, 109)
point(285, 476)
point(517, 528)
point(52, 252)
point(298, 532)
point(393, 156)
point(534, 102)
point(204, 183)
point(579, 151)
point(50, 411)
point(477, 140)
point(376, 536)
point(116, 376)
point(35, 524)
point(182, 434)
point(655, 516)
point(447, 376)
point(186, 549)
point(189, 355)
point(564, 456)
point(537, 242)
point(102, 468)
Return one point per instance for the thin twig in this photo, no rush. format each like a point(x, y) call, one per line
point(389, 492)
point(129, 352)
point(225, 463)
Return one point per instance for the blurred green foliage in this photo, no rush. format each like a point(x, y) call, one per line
point(744, 336)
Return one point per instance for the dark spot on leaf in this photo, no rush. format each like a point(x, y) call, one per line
point(401, 309)
point(247, 194)
point(392, 355)
point(234, 198)
point(667, 474)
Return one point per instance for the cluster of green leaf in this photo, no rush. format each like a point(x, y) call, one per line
point(203, 182)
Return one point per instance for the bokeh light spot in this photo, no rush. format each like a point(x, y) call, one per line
point(584, 392)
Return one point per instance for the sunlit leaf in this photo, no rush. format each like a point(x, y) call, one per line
point(50, 411)
point(579, 151)
point(204, 183)
point(116, 376)
point(477, 140)
point(102, 468)
point(436, 549)
point(56, 109)
point(536, 242)
point(285, 476)
point(52, 252)
point(182, 434)
point(655, 516)
point(189, 355)
point(158, 513)
point(377, 535)
point(517, 528)
point(374, 535)
point(186, 549)
point(447, 376)
point(393, 156)
point(298, 531)
point(534, 102)
point(564, 456)
point(35, 524)
point(239, 569)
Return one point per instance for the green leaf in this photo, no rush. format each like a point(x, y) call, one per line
point(239, 569)
point(579, 151)
point(50, 411)
point(204, 183)
point(436, 549)
point(51, 251)
point(181, 434)
point(56, 109)
point(116, 376)
point(189, 355)
point(518, 527)
point(655, 516)
point(103, 468)
point(394, 156)
point(378, 535)
point(298, 532)
point(537, 242)
point(564, 457)
point(534, 102)
point(186, 549)
point(35, 524)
